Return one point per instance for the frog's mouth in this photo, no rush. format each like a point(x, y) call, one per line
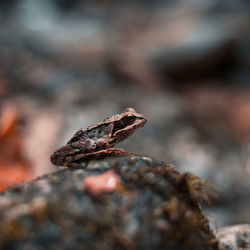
point(123, 123)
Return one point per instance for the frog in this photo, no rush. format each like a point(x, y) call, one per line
point(98, 140)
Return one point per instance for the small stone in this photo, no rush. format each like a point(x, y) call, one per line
point(105, 182)
point(234, 237)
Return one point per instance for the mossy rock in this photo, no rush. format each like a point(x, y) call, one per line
point(154, 207)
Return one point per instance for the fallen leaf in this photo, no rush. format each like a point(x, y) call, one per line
point(14, 168)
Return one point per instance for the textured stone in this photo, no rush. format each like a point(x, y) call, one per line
point(153, 207)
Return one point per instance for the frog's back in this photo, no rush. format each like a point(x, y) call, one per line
point(102, 131)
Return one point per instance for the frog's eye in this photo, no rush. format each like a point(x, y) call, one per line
point(130, 117)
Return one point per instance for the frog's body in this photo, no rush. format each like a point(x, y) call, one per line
point(99, 139)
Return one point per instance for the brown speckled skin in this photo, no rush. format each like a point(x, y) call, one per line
point(98, 140)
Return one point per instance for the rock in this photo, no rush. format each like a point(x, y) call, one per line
point(234, 237)
point(151, 206)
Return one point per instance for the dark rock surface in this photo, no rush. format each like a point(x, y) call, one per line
point(66, 65)
point(154, 207)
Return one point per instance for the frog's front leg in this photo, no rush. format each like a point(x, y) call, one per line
point(106, 153)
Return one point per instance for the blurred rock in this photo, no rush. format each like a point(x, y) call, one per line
point(228, 108)
point(153, 207)
point(182, 49)
point(75, 60)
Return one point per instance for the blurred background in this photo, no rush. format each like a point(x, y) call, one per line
point(68, 64)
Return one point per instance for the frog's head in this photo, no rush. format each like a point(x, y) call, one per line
point(128, 121)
